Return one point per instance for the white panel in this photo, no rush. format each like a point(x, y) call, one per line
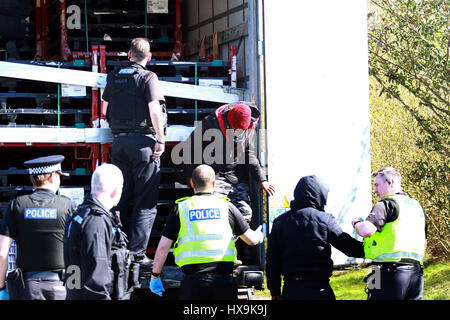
point(93, 79)
point(175, 133)
point(318, 103)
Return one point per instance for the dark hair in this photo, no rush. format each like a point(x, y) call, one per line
point(38, 180)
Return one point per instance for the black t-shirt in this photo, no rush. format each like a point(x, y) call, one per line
point(237, 223)
point(386, 210)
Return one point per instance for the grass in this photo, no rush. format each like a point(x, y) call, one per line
point(348, 284)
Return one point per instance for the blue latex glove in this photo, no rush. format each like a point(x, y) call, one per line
point(156, 286)
point(4, 294)
point(259, 229)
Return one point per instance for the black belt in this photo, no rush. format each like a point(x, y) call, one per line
point(205, 273)
point(306, 277)
point(395, 265)
point(43, 275)
point(127, 134)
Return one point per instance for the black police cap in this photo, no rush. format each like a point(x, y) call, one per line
point(44, 165)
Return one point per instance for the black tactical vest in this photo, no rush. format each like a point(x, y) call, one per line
point(125, 272)
point(127, 109)
point(40, 231)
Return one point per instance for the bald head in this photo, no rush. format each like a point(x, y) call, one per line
point(203, 178)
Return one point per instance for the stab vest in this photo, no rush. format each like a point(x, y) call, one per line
point(402, 239)
point(40, 232)
point(205, 233)
point(127, 109)
point(125, 272)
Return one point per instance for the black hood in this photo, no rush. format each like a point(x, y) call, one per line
point(310, 191)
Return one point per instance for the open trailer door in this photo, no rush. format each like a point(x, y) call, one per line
point(317, 104)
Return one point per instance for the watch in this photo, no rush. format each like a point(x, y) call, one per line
point(155, 274)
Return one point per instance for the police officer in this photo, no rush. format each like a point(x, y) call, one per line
point(395, 239)
point(133, 108)
point(95, 253)
point(36, 221)
point(299, 245)
point(202, 227)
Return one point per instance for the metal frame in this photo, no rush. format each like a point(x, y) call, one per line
point(67, 55)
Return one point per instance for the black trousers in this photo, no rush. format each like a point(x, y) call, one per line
point(297, 288)
point(41, 285)
point(208, 286)
point(133, 155)
point(397, 283)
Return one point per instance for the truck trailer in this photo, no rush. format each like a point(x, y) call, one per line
point(303, 63)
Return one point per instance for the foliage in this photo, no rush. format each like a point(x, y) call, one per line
point(409, 43)
point(409, 48)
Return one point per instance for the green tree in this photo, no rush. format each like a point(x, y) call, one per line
point(409, 44)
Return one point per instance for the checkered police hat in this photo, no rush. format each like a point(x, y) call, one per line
point(44, 165)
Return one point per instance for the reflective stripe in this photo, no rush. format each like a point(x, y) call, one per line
point(200, 237)
point(185, 210)
point(204, 253)
point(204, 240)
point(399, 255)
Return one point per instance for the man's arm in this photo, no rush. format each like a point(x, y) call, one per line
point(161, 254)
point(255, 167)
point(157, 123)
point(5, 245)
point(252, 238)
point(343, 241)
point(383, 212)
point(241, 227)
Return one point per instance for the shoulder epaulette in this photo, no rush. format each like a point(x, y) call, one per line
point(224, 198)
point(182, 199)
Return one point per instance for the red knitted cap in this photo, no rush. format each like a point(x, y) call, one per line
point(240, 116)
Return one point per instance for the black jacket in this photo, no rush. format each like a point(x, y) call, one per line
point(234, 160)
point(300, 240)
point(87, 244)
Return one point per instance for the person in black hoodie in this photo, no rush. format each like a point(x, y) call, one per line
point(299, 245)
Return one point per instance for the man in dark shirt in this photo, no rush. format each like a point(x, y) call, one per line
point(232, 154)
point(132, 105)
point(37, 221)
point(299, 245)
point(207, 276)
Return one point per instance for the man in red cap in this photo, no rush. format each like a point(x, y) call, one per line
point(225, 140)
